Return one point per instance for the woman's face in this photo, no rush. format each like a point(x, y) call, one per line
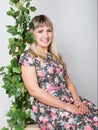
point(43, 36)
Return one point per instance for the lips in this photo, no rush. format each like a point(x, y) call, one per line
point(45, 41)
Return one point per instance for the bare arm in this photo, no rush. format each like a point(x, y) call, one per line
point(77, 101)
point(72, 88)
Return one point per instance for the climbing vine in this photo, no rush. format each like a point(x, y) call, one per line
point(19, 114)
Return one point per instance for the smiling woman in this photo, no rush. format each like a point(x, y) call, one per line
point(56, 103)
point(75, 24)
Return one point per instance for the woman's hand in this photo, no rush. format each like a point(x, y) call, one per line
point(83, 109)
point(72, 108)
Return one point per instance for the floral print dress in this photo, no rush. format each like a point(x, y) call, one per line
point(51, 78)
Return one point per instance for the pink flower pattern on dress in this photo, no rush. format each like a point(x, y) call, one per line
point(41, 74)
point(35, 109)
point(71, 120)
point(43, 127)
point(50, 69)
point(58, 70)
point(44, 119)
point(53, 115)
point(88, 127)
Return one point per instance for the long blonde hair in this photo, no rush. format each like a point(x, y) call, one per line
point(40, 21)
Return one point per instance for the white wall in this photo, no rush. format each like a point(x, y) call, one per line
point(4, 59)
point(75, 26)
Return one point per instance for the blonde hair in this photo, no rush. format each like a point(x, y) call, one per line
point(40, 21)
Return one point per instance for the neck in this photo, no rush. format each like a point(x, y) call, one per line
point(42, 50)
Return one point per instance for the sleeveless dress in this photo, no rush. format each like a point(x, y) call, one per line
point(51, 78)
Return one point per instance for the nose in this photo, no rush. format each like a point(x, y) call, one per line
point(45, 34)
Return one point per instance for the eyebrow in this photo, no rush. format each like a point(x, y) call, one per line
point(43, 27)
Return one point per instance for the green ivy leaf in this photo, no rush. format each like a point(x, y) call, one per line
point(4, 128)
point(28, 5)
point(20, 19)
point(10, 12)
point(14, 1)
point(8, 87)
point(14, 62)
point(20, 127)
point(19, 5)
point(33, 8)
point(25, 10)
point(15, 14)
point(16, 70)
point(2, 68)
point(27, 17)
point(12, 30)
point(31, 25)
point(29, 37)
point(11, 42)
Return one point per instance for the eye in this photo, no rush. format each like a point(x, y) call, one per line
point(49, 30)
point(40, 31)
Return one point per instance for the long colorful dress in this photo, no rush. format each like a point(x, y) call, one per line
point(51, 78)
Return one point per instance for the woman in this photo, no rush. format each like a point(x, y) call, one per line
point(56, 104)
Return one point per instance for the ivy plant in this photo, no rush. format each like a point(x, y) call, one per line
point(19, 114)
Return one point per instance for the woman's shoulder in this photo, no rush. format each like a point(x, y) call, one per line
point(28, 53)
point(27, 57)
